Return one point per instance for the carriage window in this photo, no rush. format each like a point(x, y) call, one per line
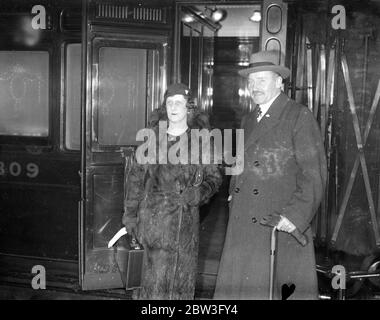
point(24, 93)
point(72, 96)
point(122, 94)
point(191, 57)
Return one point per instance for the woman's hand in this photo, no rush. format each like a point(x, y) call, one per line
point(130, 224)
point(131, 229)
point(192, 196)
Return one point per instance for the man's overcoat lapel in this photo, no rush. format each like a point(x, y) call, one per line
point(254, 130)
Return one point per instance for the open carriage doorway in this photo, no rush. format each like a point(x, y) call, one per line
point(238, 32)
point(210, 55)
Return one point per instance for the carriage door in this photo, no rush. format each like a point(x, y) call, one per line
point(124, 67)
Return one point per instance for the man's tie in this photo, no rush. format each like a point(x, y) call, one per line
point(258, 112)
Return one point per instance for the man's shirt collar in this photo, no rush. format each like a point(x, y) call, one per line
point(265, 106)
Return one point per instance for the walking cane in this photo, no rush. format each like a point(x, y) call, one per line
point(272, 220)
point(272, 262)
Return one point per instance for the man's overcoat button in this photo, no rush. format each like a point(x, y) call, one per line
point(255, 191)
point(237, 190)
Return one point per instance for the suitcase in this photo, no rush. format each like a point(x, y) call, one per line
point(131, 271)
point(129, 260)
point(133, 265)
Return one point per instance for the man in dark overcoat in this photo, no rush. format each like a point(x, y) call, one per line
point(284, 174)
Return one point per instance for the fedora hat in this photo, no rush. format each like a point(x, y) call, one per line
point(266, 61)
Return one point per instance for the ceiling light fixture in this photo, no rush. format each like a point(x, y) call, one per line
point(215, 14)
point(188, 18)
point(256, 16)
point(218, 15)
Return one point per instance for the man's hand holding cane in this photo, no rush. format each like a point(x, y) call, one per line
point(283, 224)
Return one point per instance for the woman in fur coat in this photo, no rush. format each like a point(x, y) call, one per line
point(162, 202)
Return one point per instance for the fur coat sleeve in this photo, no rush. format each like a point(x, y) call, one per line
point(134, 193)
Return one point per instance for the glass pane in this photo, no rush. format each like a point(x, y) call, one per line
point(185, 54)
point(72, 96)
point(108, 202)
point(195, 62)
point(24, 89)
point(207, 70)
point(122, 94)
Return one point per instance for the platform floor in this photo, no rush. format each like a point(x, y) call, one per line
point(214, 219)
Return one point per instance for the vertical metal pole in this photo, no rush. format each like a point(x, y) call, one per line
point(190, 53)
point(177, 41)
point(364, 83)
point(317, 82)
point(342, 294)
point(378, 200)
point(200, 69)
point(309, 74)
point(328, 139)
point(336, 125)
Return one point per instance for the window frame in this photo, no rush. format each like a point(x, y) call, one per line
point(101, 42)
point(47, 141)
point(63, 120)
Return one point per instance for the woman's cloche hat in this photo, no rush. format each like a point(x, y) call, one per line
point(177, 88)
